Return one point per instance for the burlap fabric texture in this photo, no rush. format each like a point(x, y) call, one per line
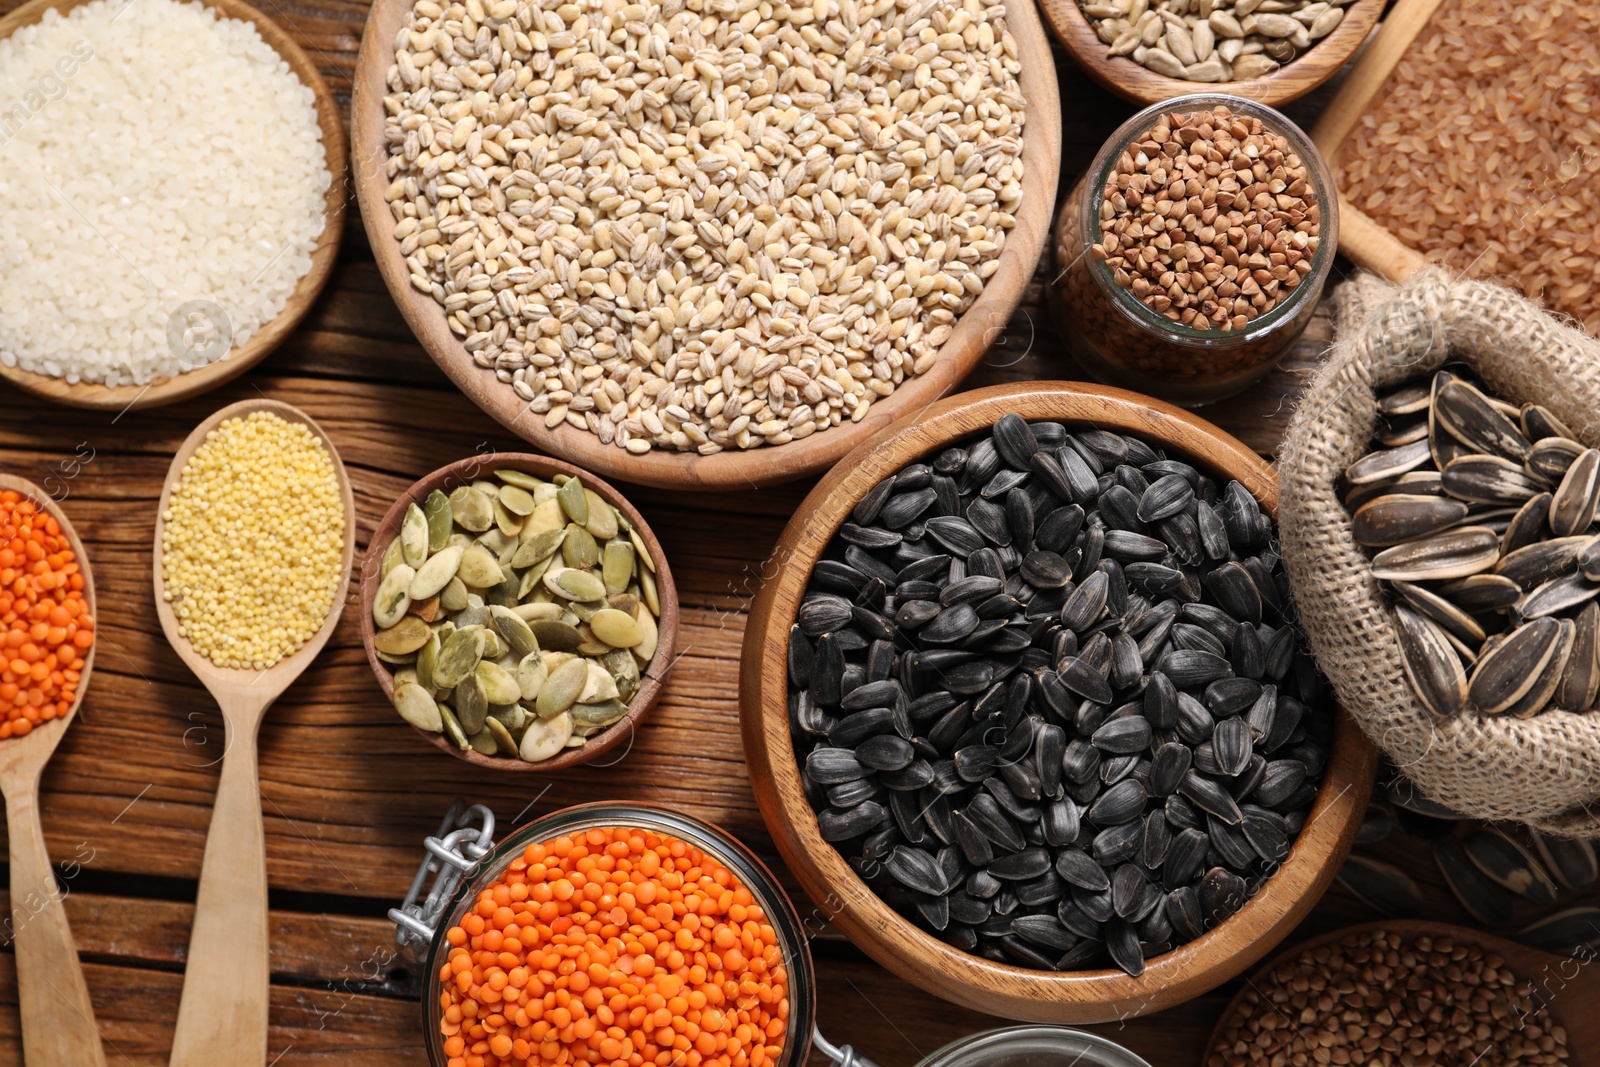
point(1545, 770)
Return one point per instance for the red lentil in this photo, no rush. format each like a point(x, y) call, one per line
point(45, 625)
point(614, 946)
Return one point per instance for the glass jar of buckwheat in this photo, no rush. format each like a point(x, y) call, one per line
point(1191, 254)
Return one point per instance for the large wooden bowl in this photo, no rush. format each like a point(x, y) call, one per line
point(272, 333)
point(1565, 989)
point(1295, 79)
point(896, 942)
point(651, 678)
point(732, 469)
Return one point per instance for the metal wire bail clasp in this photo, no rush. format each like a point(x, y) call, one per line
point(464, 837)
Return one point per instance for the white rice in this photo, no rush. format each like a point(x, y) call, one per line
point(153, 157)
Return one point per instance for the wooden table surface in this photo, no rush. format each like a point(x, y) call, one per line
point(348, 791)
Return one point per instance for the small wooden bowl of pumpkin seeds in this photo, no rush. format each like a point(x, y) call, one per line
point(518, 612)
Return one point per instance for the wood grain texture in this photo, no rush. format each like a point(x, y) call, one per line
point(58, 1026)
point(896, 942)
point(654, 675)
point(330, 121)
point(1128, 79)
point(732, 469)
point(1565, 990)
point(223, 1013)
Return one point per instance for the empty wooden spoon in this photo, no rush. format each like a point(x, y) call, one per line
point(1564, 989)
point(222, 1017)
point(58, 1028)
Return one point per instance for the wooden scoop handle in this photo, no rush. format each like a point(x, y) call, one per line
point(222, 1018)
point(58, 1027)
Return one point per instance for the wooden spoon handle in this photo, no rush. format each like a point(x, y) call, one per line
point(222, 1017)
point(58, 1027)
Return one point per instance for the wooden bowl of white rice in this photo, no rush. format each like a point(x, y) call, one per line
point(172, 189)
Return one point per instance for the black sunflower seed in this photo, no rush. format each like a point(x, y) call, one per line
point(1119, 804)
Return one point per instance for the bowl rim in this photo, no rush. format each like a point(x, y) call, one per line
point(651, 679)
point(324, 254)
point(896, 942)
point(731, 469)
point(1120, 74)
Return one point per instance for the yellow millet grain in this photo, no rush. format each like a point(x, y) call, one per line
point(253, 546)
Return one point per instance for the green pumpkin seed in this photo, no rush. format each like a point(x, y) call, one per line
point(505, 522)
point(536, 610)
point(483, 742)
point(627, 603)
point(599, 685)
point(583, 611)
point(616, 567)
point(624, 670)
point(531, 675)
point(403, 638)
point(514, 629)
point(578, 548)
point(440, 522)
point(471, 509)
point(391, 602)
point(505, 594)
point(599, 713)
point(555, 634)
point(546, 516)
point(453, 597)
point(562, 688)
point(406, 676)
point(497, 542)
point(493, 646)
point(642, 549)
point(591, 645)
point(521, 479)
point(516, 500)
point(513, 716)
point(458, 657)
point(427, 660)
point(393, 556)
point(452, 727)
point(436, 573)
point(505, 744)
point(573, 501)
point(499, 685)
point(574, 584)
point(646, 649)
point(472, 704)
point(538, 548)
point(414, 536)
point(616, 629)
point(407, 660)
point(479, 569)
point(417, 707)
point(474, 614)
point(545, 738)
point(602, 522)
point(652, 598)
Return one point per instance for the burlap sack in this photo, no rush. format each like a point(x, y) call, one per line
point(1545, 770)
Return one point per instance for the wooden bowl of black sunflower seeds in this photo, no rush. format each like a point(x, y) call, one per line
point(1027, 713)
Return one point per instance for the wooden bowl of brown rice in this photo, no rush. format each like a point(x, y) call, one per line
point(706, 315)
point(251, 272)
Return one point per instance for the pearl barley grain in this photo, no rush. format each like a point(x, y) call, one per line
point(253, 544)
point(700, 225)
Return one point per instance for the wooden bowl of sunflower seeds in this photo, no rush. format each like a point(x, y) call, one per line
point(707, 277)
point(1027, 712)
point(518, 612)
